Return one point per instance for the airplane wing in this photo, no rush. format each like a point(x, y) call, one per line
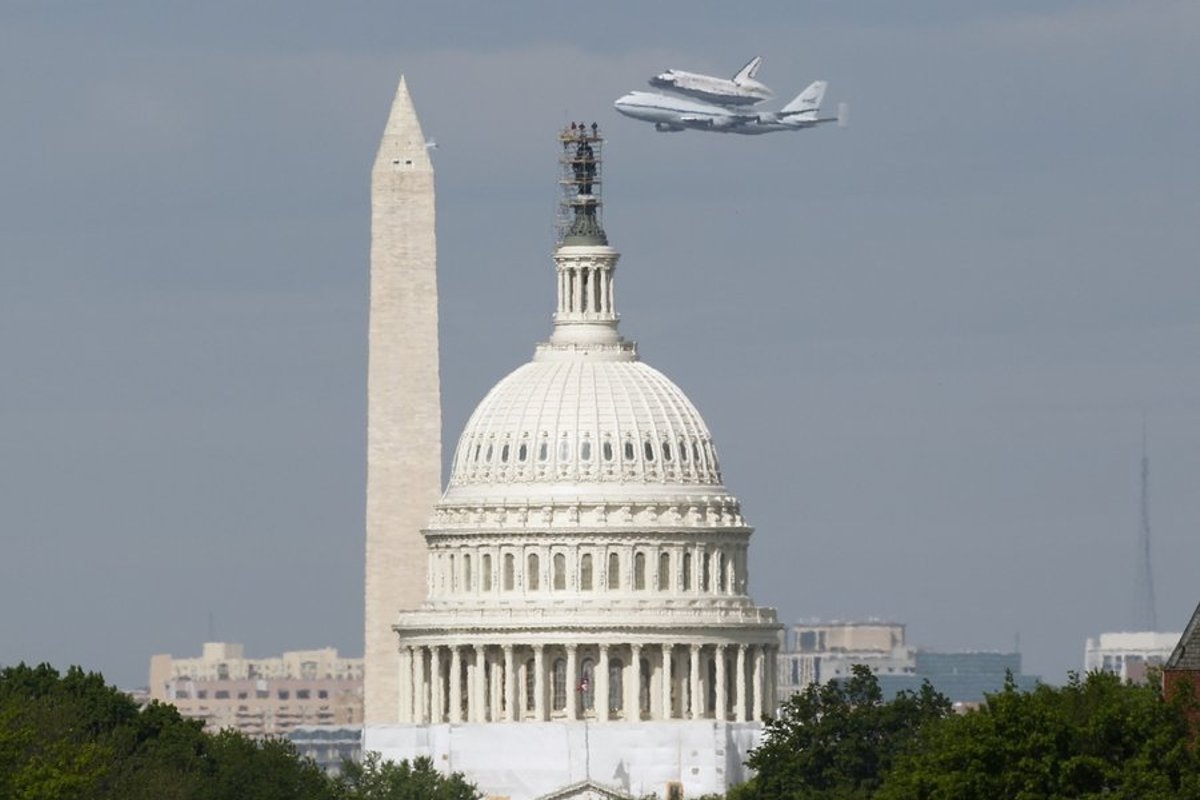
point(749, 71)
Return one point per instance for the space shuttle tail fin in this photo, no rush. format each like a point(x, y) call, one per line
point(808, 102)
point(748, 72)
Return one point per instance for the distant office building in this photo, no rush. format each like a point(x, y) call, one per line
point(328, 745)
point(821, 652)
point(1129, 654)
point(261, 696)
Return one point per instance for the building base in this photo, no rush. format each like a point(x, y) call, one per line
point(529, 760)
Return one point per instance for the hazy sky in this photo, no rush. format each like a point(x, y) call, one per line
point(924, 343)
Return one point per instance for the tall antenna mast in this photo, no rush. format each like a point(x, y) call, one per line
point(1146, 616)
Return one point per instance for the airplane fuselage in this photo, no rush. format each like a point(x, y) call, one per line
point(677, 114)
point(710, 89)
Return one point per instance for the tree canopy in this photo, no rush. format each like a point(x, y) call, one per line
point(838, 740)
point(1095, 737)
point(72, 737)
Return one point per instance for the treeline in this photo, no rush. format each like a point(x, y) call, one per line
point(72, 737)
point(1096, 737)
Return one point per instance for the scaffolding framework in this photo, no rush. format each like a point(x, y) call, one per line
point(580, 205)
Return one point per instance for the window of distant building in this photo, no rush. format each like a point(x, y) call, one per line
point(221, 694)
point(201, 694)
point(322, 694)
point(284, 694)
point(303, 694)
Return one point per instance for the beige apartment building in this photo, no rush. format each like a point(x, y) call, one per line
point(261, 696)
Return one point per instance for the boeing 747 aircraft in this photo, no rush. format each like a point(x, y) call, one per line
point(740, 90)
point(670, 114)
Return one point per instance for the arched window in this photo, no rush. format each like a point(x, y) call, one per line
point(488, 456)
point(683, 451)
point(585, 572)
point(543, 451)
point(616, 685)
point(530, 685)
point(664, 571)
point(639, 571)
point(558, 685)
point(560, 572)
point(485, 572)
point(629, 451)
point(721, 584)
point(607, 450)
point(587, 684)
point(453, 574)
point(504, 454)
point(614, 571)
point(564, 450)
point(687, 571)
point(532, 581)
point(705, 572)
point(666, 450)
point(585, 450)
point(466, 572)
point(509, 569)
point(522, 452)
point(478, 447)
point(648, 450)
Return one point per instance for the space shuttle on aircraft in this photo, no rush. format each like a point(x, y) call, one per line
point(740, 90)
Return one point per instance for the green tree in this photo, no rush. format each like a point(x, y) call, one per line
point(1092, 738)
point(838, 740)
point(69, 737)
point(375, 779)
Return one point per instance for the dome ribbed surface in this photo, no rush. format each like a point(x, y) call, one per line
point(578, 421)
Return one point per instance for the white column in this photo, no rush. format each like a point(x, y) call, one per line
point(601, 687)
point(694, 683)
point(634, 709)
point(759, 681)
point(666, 682)
point(406, 685)
point(455, 684)
point(740, 714)
point(539, 682)
point(604, 307)
point(720, 710)
point(572, 684)
point(510, 685)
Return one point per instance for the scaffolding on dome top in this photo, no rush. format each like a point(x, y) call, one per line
point(580, 207)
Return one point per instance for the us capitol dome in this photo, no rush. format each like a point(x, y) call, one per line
point(587, 564)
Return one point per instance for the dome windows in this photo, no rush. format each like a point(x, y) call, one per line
point(543, 450)
point(522, 452)
point(532, 579)
point(630, 453)
point(606, 450)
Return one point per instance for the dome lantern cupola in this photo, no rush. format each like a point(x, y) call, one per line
point(586, 315)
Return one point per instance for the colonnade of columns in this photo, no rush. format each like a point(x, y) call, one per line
point(601, 682)
point(585, 289)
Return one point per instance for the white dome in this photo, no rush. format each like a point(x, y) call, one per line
point(576, 421)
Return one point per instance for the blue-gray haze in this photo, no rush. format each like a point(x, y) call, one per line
point(924, 344)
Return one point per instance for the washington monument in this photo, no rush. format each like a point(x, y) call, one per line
point(404, 424)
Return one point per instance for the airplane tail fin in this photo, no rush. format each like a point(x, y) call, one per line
point(807, 103)
point(748, 72)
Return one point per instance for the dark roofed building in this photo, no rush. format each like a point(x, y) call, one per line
point(1183, 667)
